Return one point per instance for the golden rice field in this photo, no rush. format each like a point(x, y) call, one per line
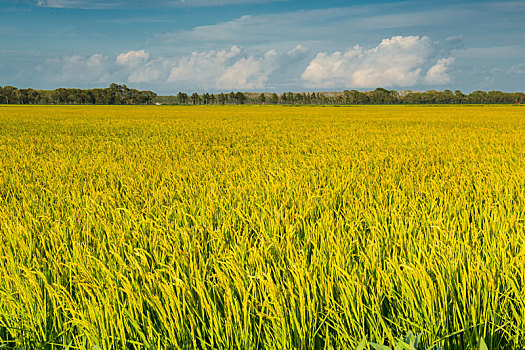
point(261, 227)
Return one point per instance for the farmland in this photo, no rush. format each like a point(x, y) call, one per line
point(261, 226)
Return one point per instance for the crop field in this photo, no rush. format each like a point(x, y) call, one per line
point(261, 227)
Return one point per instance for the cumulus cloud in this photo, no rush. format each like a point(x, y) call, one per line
point(228, 69)
point(438, 73)
point(205, 67)
point(400, 61)
point(210, 70)
point(215, 69)
point(250, 72)
point(395, 62)
point(132, 58)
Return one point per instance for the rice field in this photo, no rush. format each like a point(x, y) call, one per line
point(261, 227)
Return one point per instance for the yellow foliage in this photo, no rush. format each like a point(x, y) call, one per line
point(261, 226)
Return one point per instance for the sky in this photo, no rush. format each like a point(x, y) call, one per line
point(169, 46)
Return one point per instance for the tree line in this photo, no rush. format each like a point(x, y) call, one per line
point(377, 96)
point(113, 95)
point(121, 94)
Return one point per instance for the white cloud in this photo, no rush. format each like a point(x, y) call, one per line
point(205, 67)
point(438, 73)
point(250, 72)
point(396, 62)
point(132, 58)
point(231, 68)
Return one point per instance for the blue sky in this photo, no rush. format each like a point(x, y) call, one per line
point(263, 45)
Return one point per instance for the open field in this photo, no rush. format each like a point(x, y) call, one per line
point(261, 227)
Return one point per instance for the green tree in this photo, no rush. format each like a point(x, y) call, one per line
point(206, 98)
point(182, 97)
point(383, 96)
point(459, 96)
point(240, 98)
point(195, 98)
point(478, 97)
point(11, 94)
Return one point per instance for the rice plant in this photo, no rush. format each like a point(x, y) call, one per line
point(261, 227)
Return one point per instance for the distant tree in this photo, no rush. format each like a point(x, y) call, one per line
point(240, 98)
point(518, 97)
point(478, 97)
point(360, 97)
point(313, 98)
point(182, 97)
point(195, 98)
point(497, 97)
point(304, 98)
point(11, 94)
point(206, 98)
point(459, 97)
point(28, 96)
point(146, 97)
point(412, 98)
point(382, 96)
point(121, 94)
